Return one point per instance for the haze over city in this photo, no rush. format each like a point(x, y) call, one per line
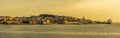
point(91, 9)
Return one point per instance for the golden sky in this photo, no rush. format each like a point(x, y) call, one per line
point(91, 9)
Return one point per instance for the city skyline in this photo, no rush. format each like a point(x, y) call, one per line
point(91, 9)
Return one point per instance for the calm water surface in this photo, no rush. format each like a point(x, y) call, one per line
point(60, 31)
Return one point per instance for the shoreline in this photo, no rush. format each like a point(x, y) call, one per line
point(46, 19)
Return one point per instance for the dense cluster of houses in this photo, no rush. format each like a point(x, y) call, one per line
point(44, 19)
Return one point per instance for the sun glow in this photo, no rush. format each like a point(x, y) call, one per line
point(91, 9)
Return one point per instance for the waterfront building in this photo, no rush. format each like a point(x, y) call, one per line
point(109, 21)
point(33, 22)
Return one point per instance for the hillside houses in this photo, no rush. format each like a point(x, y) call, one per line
point(45, 19)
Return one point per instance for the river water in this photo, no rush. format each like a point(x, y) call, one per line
point(60, 31)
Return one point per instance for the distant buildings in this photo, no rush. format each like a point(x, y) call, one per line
point(45, 19)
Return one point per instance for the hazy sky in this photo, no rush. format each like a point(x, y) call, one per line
point(91, 9)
